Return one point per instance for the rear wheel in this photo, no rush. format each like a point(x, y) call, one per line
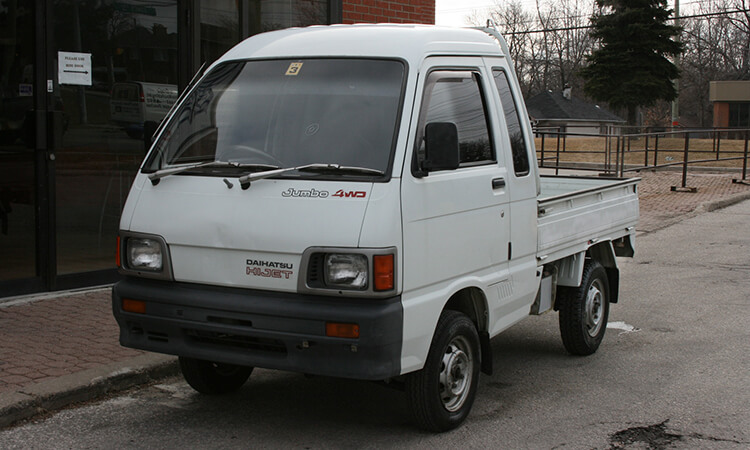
point(442, 393)
point(584, 311)
point(213, 378)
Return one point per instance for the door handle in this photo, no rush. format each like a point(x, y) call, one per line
point(498, 183)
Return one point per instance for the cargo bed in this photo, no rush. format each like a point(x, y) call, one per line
point(575, 212)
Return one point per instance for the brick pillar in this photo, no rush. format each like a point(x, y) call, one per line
point(388, 11)
point(721, 115)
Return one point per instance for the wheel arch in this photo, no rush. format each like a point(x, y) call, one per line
point(472, 302)
point(604, 253)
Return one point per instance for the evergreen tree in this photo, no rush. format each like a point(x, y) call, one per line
point(632, 66)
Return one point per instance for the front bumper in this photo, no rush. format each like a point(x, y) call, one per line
point(262, 329)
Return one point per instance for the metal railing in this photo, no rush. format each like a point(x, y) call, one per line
point(614, 152)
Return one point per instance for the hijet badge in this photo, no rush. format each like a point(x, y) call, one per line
point(269, 269)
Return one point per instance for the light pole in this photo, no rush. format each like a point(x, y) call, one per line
point(676, 101)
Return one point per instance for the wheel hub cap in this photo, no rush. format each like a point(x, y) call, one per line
point(594, 309)
point(455, 375)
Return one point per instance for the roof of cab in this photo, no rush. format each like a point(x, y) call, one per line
point(410, 42)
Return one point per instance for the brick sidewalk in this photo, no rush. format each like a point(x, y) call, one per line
point(63, 335)
point(57, 336)
point(661, 207)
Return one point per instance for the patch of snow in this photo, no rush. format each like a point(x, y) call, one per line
point(623, 326)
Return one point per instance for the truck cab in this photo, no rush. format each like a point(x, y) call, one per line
point(364, 202)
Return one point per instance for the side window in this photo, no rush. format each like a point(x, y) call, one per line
point(455, 96)
point(518, 146)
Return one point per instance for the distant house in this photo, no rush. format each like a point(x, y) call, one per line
point(570, 114)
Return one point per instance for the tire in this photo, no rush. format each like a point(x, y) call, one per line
point(454, 360)
point(584, 311)
point(213, 378)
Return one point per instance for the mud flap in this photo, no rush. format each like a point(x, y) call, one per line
point(484, 342)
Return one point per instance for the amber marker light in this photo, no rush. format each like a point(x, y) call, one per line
point(342, 330)
point(117, 253)
point(383, 272)
point(133, 306)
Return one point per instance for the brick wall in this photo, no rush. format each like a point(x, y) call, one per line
point(381, 11)
point(721, 114)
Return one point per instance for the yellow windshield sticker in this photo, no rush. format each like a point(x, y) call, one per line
point(294, 68)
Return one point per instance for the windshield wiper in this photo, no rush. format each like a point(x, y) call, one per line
point(159, 174)
point(316, 167)
point(341, 169)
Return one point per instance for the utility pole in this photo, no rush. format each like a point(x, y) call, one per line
point(677, 58)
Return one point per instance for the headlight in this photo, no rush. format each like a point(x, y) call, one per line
point(346, 270)
point(144, 254)
point(349, 272)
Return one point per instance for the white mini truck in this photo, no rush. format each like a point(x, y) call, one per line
point(362, 202)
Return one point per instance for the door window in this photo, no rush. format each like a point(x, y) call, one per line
point(518, 146)
point(456, 97)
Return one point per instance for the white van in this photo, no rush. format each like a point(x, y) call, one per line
point(134, 102)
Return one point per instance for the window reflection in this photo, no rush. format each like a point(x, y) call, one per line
point(453, 96)
point(17, 194)
point(134, 55)
point(220, 28)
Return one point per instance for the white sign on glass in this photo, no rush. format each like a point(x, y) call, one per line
point(74, 68)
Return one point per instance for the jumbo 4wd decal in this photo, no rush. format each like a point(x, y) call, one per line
point(314, 193)
point(355, 194)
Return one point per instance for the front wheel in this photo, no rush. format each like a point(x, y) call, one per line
point(442, 393)
point(213, 378)
point(584, 311)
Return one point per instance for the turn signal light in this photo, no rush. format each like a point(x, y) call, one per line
point(133, 306)
point(342, 330)
point(383, 272)
point(117, 253)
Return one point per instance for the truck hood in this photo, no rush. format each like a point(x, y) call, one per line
point(246, 238)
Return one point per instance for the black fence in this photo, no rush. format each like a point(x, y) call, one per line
point(616, 151)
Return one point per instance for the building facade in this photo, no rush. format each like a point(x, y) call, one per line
point(78, 80)
point(731, 101)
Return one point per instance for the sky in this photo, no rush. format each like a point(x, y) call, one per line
point(453, 12)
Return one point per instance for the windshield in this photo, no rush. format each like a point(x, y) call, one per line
point(287, 113)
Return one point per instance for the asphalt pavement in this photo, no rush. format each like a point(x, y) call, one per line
point(61, 349)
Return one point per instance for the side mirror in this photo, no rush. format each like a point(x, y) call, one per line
point(441, 147)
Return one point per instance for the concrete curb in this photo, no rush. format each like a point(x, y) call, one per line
point(709, 206)
point(723, 203)
point(83, 386)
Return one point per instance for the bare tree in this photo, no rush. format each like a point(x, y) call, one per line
point(548, 44)
point(717, 48)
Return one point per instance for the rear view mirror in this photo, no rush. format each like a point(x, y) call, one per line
point(441, 147)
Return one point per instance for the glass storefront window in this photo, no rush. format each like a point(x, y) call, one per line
point(133, 48)
point(220, 29)
point(268, 15)
point(94, 130)
point(739, 115)
point(17, 194)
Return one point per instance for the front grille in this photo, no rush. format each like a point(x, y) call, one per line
point(315, 271)
point(236, 341)
point(157, 337)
